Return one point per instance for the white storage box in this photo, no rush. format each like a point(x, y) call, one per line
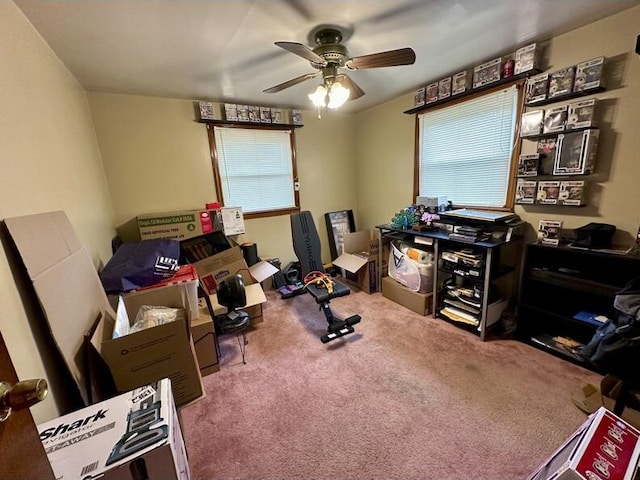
point(134, 435)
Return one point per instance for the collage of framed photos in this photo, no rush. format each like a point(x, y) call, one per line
point(523, 60)
point(250, 113)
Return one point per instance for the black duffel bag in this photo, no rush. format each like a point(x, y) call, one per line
point(615, 347)
point(136, 265)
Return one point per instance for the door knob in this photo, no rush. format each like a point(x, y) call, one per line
point(21, 395)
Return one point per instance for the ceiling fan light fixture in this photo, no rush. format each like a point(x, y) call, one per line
point(338, 95)
point(333, 97)
point(318, 97)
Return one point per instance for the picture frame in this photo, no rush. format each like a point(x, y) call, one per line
point(338, 223)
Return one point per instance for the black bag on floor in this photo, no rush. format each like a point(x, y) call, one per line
point(615, 347)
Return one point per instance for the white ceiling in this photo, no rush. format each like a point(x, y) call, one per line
point(223, 50)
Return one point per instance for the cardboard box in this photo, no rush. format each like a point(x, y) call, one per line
point(104, 440)
point(216, 268)
point(418, 302)
point(360, 260)
point(204, 341)
point(67, 286)
point(162, 351)
point(610, 389)
point(178, 225)
point(603, 447)
point(186, 275)
point(439, 204)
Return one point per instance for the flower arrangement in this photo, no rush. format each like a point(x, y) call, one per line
point(427, 218)
point(405, 218)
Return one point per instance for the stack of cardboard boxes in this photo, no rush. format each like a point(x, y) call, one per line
point(81, 318)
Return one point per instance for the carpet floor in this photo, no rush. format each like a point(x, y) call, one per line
point(405, 397)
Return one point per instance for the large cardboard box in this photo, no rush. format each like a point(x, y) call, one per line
point(216, 268)
point(67, 286)
point(154, 353)
point(603, 447)
point(418, 302)
point(204, 341)
point(360, 260)
point(119, 438)
point(178, 225)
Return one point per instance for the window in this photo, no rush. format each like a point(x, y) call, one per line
point(466, 150)
point(255, 169)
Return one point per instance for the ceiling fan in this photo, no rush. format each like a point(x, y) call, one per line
point(328, 57)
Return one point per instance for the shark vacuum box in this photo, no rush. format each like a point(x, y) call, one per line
point(133, 436)
point(605, 447)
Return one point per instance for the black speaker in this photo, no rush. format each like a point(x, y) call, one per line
point(292, 273)
point(638, 45)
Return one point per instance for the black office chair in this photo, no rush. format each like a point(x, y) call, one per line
point(306, 244)
point(232, 294)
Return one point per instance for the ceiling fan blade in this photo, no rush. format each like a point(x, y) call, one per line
point(302, 51)
point(356, 91)
point(291, 83)
point(392, 58)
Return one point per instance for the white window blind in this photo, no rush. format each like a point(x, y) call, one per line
point(465, 150)
point(256, 168)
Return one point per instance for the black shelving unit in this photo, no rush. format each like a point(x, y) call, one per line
point(496, 274)
point(560, 281)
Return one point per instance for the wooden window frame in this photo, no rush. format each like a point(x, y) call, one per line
point(515, 154)
point(216, 167)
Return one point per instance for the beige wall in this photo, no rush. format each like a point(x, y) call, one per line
point(156, 159)
point(614, 193)
point(385, 137)
point(49, 160)
point(385, 142)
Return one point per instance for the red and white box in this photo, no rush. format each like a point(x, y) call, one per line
point(605, 447)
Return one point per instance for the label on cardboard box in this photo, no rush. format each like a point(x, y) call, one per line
point(232, 220)
point(178, 225)
point(103, 439)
